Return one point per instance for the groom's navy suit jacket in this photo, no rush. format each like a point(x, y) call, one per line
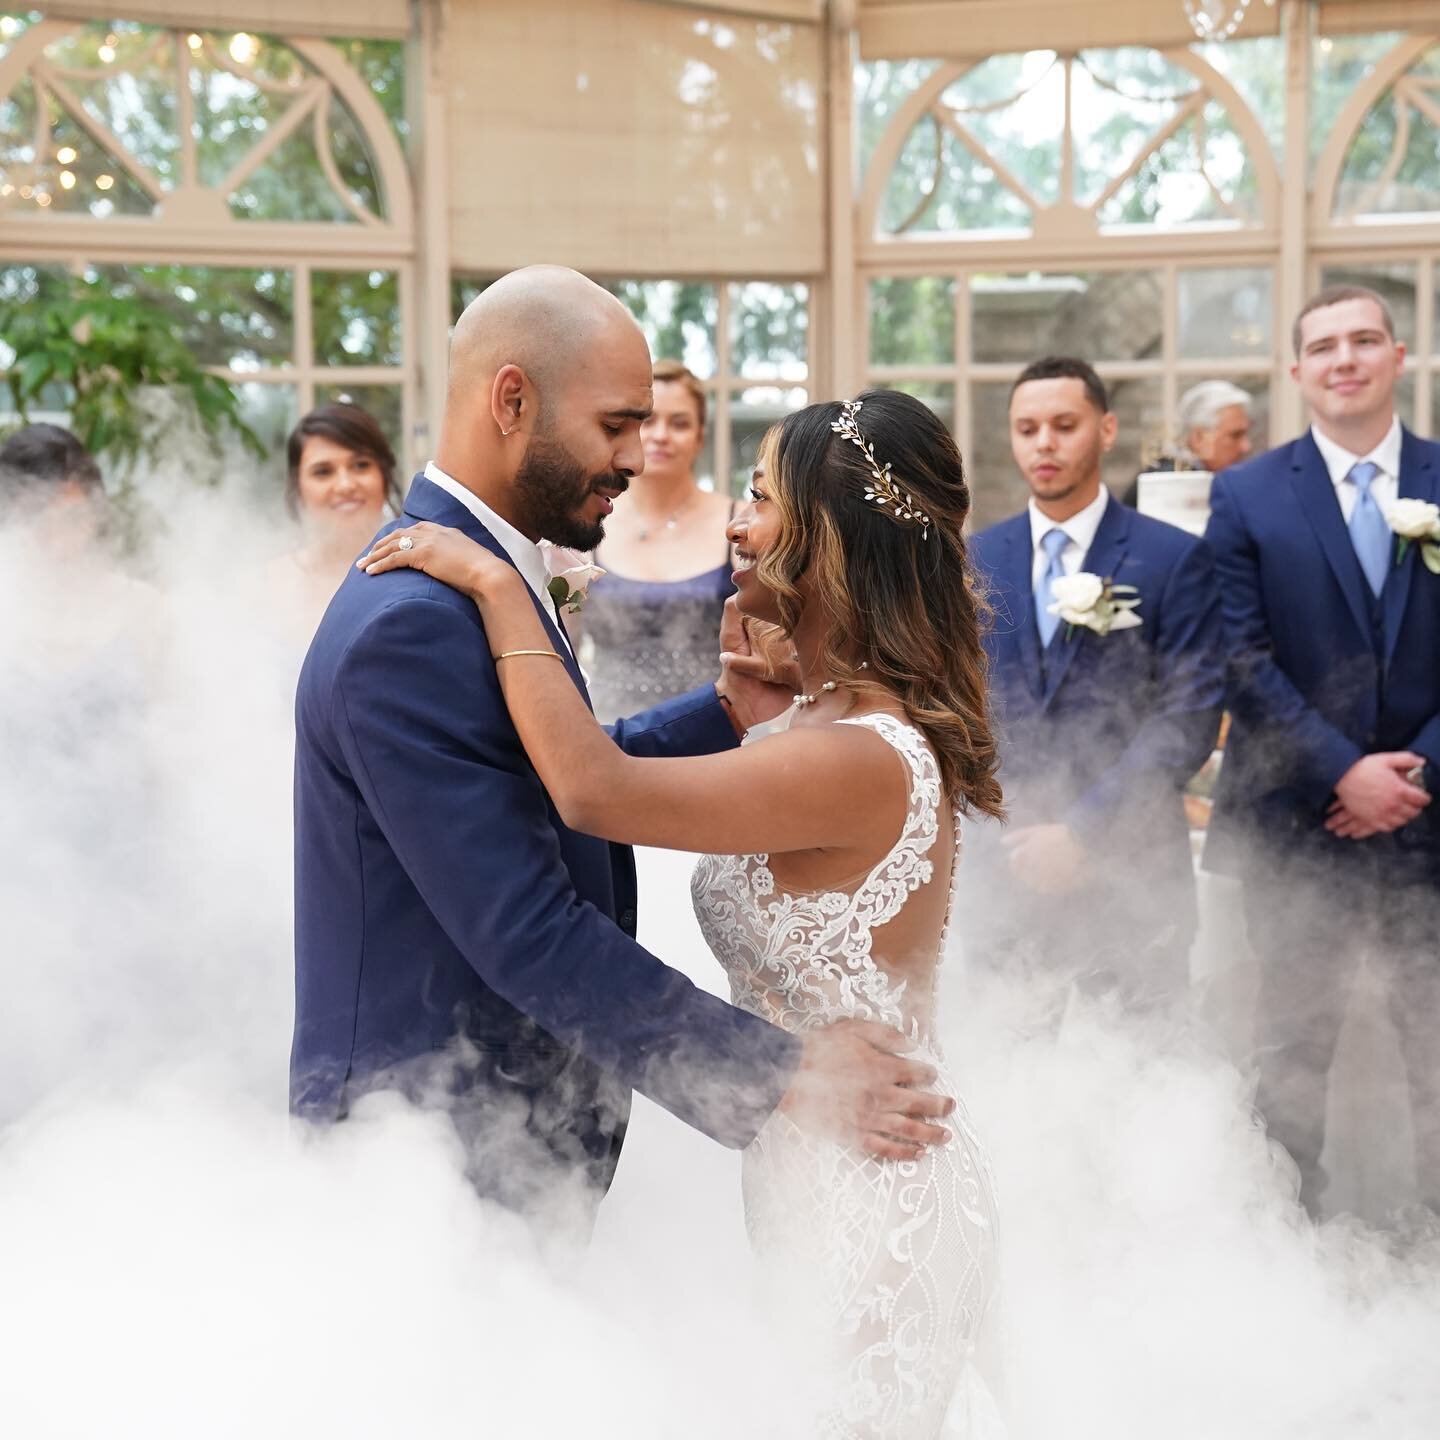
point(1102, 732)
point(453, 937)
point(1321, 671)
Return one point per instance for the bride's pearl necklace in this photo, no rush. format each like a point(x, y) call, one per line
point(801, 701)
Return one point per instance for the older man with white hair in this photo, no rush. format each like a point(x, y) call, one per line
point(1214, 423)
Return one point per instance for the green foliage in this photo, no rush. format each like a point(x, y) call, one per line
point(102, 348)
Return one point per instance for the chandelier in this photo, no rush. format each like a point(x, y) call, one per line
point(1216, 19)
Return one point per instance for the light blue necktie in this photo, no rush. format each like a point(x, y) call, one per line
point(1369, 530)
point(1053, 544)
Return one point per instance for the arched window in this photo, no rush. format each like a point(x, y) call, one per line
point(254, 189)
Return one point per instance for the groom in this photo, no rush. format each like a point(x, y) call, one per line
point(454, 940)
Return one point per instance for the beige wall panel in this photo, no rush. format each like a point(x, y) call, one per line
point(389, 18)
point(1354, 17)
point(631, 138)
point(766, 9)
point(961, 29)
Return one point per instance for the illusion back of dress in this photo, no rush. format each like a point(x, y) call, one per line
point(894, 1260)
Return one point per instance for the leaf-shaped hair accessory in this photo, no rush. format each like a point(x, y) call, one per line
point(883, 490)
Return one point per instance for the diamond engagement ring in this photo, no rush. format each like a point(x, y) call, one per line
point(404, 543)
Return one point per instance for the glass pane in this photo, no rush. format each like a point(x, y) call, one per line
point(1435, 321)
point(679, 319)
point(1340, 64)
point(769, 331)
point(244, 319)
point(1225, 313)
point(386, 403)
point(272, 411)
point(912, 322)
point(12, 27)
point(1395, 281)
point(996, 487)
point(939, 186)
point(1014, 106)
point(752, 413)
point(1121, 99)
point(26, 285)
point(1098, 315)
point(1201, 173)
point(357, 317)
point(381, 64)
point(77, 173)
point(939, 395)
point(132, 91)
point(881, 88)
point(1256, 68)
point(1434, 404)
point(1405, 389)
point(1390, 167)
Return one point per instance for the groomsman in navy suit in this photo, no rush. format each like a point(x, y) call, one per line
point(1092, 882)
point(1324, 802)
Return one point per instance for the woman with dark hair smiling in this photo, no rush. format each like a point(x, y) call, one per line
point(339, 483)
point(829, 849)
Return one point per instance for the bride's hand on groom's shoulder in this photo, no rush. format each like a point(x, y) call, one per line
point(445, 554)
point(854, 1084)
point(759, 677)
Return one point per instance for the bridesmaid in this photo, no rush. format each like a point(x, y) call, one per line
point(654, 619)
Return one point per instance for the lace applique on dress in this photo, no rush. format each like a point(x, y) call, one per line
point(896, 1260)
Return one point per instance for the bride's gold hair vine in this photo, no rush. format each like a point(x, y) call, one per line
point(882, 490)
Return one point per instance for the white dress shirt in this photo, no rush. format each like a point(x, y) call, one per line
point(1385, 487)
point(1079, 528)
point(527, 555)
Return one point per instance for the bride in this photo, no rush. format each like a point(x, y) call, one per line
point(828, 848)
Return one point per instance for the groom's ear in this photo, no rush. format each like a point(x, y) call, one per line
point(512, 399)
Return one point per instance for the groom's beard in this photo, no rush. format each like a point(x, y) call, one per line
point(552, 487)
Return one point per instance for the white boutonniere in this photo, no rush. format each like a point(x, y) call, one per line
point(1100, 605)
point(1416, 522)
point(571, 575)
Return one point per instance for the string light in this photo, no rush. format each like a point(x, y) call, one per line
point(67, 179)
point(26, 192)
point(6, 190)
point(243, 48)
point(43, 199)
point(107, 52)
point(104, 182)
point(67, 154)
point(195, 43)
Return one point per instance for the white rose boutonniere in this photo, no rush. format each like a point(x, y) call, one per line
point(1416, 522)
point(1100, 605)
point(571, 575)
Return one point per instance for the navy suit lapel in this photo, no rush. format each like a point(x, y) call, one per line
point(1418, 481)
point(427, 501)
point(1315, 491)
point(1016, 566)
point(1102, 559)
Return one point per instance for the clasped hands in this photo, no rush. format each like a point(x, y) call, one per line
point(1373, 797)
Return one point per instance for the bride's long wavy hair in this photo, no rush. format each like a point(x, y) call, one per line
point(905, 603)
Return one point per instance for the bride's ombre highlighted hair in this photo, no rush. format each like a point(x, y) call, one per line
point(896, 596)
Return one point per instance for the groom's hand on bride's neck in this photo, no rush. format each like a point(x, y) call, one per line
point(758, 674)
point(855, 1085)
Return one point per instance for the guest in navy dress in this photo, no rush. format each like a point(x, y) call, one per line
point(652, 621)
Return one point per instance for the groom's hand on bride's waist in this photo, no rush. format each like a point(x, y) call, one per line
point(854, 1084)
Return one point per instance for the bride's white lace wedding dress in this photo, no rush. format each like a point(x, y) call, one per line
point(892, 1263)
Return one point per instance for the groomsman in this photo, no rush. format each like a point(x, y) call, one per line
point(1324, 800)
point(1105, 713)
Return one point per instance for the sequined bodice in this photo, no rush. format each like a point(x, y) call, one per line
point(805, 959)
point(653, 639)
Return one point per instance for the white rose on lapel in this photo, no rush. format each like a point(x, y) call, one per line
point(1416, 522)
point(1100, 605)
point(571, 574)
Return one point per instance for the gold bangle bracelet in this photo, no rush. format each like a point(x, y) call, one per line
point(511, 654)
